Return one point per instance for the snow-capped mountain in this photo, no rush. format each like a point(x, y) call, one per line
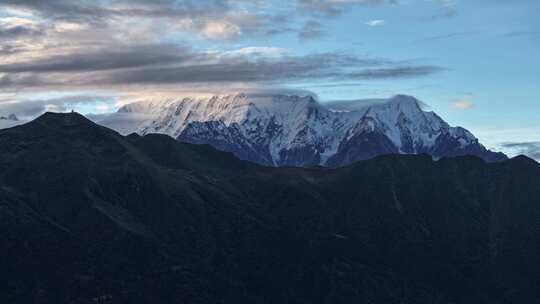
point(284, 130)
point(8, 121)
point(9, 117)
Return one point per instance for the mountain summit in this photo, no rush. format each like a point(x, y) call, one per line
point(8, 121)
point(9, 117)
point(285, 130)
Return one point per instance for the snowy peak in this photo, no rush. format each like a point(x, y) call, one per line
point(11, 117)
point(398, 108)
point(404, 103)
point(403, 121)
point(279, 129)
point(172, 116)
point(231, 108)
point(8, 121)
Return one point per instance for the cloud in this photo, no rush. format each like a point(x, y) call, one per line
point(463, 104)
point(256, 70)
point(78, 54)
point(30, 107)
point(311, 30)
point(166, 65)
point(353, 105)
point(514, 34)
point(258, 51)
point(449, 4)
point(531, 149)
point(98, 11)
point(211, 19)
point(333, 8)
point(226, 20)
point(16, 32)
point(402, 71)
point(446, 9)
point(233, 25)
point(125, 46)
point(221, 30)
point(131, 56)
point(14, 28)
point(374, 23)
point(446, 37)
point(8, 49)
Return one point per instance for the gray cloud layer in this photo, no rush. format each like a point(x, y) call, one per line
point(118, 46)
point(107, 59)
point(95, 11)
point(226, 18)
point(33, 107)
point(10, 33)
point(172, 64)
point(446, 37)
point(332, 8)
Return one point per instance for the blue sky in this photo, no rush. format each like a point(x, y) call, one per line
point(473, 62)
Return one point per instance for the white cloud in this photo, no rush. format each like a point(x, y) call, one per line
point(221, 30)
point(53, 108)
point(69, 26)
point(259, 51)
point(16, 21)
point(377, 22)
point(463, 104)
point(448, 3)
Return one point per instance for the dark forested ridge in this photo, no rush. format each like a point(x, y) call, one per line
point(89, 216)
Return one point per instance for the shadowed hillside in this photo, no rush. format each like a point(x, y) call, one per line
point(90, 216)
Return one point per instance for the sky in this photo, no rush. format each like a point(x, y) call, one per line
point(476, 63)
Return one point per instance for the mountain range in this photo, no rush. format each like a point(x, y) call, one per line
point(8, 121)
point(90, 216)
point(290, 130)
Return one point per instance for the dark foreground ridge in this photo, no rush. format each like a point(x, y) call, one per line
point(89, 216)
